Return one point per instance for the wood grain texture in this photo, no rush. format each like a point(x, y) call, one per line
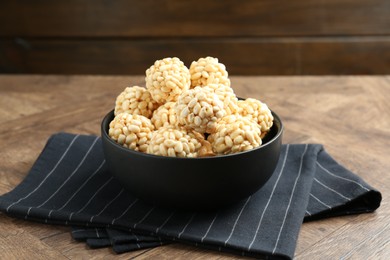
point(307, 37)
point(148, 18)
point(242, 56)
point(350, 116)
point(17, 243)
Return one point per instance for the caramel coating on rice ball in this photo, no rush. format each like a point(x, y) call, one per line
point(174, 141)
point(166, 79)
point(135, 100)
point(207, 71)
point(227, 96)
point(235, 133)
point(199, 109)
point(164, 115)
point(131, 131)
point(257, 111)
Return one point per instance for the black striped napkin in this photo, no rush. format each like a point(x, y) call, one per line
point(69, 184)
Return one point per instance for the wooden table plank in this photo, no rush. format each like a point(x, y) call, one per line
point(357, 235)
point(124, 18)
point(17, 243)
point(178, 251)
point(350, 116)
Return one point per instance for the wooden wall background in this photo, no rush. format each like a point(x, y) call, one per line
point(251, 37)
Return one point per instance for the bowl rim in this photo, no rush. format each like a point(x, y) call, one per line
point(106, 136)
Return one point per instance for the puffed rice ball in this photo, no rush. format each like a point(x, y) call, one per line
point(199, 109)
point(257, 111)
point(227, 96)
point(164, 115)
point(235, 133)
point(135, 100)
point(207, 71)
point(174, 141)
point(131, 131)
point(166, 79)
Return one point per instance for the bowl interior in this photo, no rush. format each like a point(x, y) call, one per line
point(193, 183)
point(275, 133)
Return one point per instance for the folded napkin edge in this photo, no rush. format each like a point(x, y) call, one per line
point(365, 203)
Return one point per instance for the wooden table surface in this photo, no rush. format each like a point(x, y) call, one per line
point(349, 115)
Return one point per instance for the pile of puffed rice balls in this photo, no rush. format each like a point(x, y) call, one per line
point(188, 112)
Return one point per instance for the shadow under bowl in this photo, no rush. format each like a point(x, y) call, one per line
point(193, 183)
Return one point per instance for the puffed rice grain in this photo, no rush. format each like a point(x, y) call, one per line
point(235, 133)
point(199, 109)
point(131, 131)
point(257, 111)
point(166, 79)
point(227, 96)
point(174, 141)
point(207, 71)
point(164, 115)
point(135, 100)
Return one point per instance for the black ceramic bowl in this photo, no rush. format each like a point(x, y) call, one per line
point(193, 183)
